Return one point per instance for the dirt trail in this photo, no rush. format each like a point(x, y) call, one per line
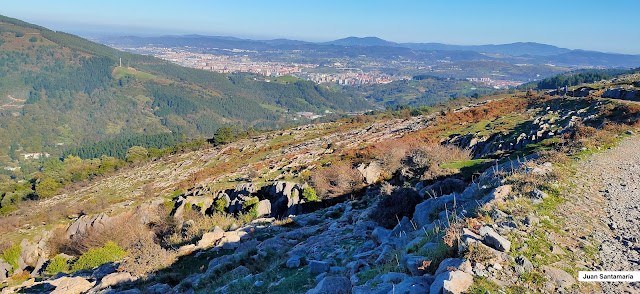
point(608, 186)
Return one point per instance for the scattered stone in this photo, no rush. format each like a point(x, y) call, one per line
point(337, 269)
point(114, 279)
point(454, 264)
point(395, 278)
point(403, 228)
point(413, 285)
point(263, 208)
point(380, 235)
point(524, 262)
point(558, 276)
point(494, 239)
point(316, 267)
point(332, 285)
point(5, 268)
point(500, 193)
point(320, 277)
point(294, 262)
point(539, 194)
point(159, 289)
point(240, 271)
point(531, 220)
point(370, 173)
point(386, 255)
point(66, 285)
point(417, 265)
point(555, 249)
point(186, 249)
point(455, 282)
point(209, 239)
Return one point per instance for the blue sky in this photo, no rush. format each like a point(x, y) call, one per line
point(610, 26)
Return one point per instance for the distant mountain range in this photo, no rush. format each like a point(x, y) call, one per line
point(515, 53)
point(514, 49)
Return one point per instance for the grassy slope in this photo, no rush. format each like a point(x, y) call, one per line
point(54, 69)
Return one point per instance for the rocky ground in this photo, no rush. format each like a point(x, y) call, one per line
point(520, 226)
point(609, 184)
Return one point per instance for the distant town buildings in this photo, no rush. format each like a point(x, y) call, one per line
point(231, 63)
point(36, 155)
point(497, 84)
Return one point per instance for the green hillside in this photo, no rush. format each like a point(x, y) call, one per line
point(59, 91)
point(422, 90)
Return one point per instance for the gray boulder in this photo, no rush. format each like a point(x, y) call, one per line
point(115, 279)
point(67, 285)
point(386, 255)
point(380, 235)
point(425, 211)
point(499, 193)
point(159, 289)
point(394, 278)
point(85, 223)
point(209, 239)
point(263, 208)
point(413, 285)
point(403, 228)
point(316, 267)
point(417, 265)
point(5, 269)
point(538, 194)
point(240, 271)
point(454, 282)
point(294, 262)
point(370, 173)
point(558, 276)
point(524, 262)
point(454, 264)
point(332, 285)
point(494, 239)
point(245, 189)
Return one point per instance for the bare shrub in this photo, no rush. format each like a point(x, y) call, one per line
point(128, 232)
point(426, 160)
point(391, 155)
point(145, 256)
point(386, 189)
point(201, 224)
point(337, 179)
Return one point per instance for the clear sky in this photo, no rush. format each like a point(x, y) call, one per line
point(610, 26)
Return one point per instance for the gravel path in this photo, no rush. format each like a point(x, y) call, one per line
point(611, 185)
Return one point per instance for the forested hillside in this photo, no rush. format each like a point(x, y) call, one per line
point(421, 90)
point(59, 91)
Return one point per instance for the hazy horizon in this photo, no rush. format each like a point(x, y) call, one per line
point(559, 23)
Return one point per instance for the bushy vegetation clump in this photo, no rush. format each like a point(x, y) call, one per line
point(392, 208)
point(337, 179)
point(58, 264)
point(309, 194)
point(12, 256)
point(98, 256)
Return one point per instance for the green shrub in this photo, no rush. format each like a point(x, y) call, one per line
point(98, 256)
point(47, 187)
point(221, 205)
point(56, 265)
point(309, 194)
point(12, 256)
point(33, 39)
point(137, 154)
point(251, 206)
